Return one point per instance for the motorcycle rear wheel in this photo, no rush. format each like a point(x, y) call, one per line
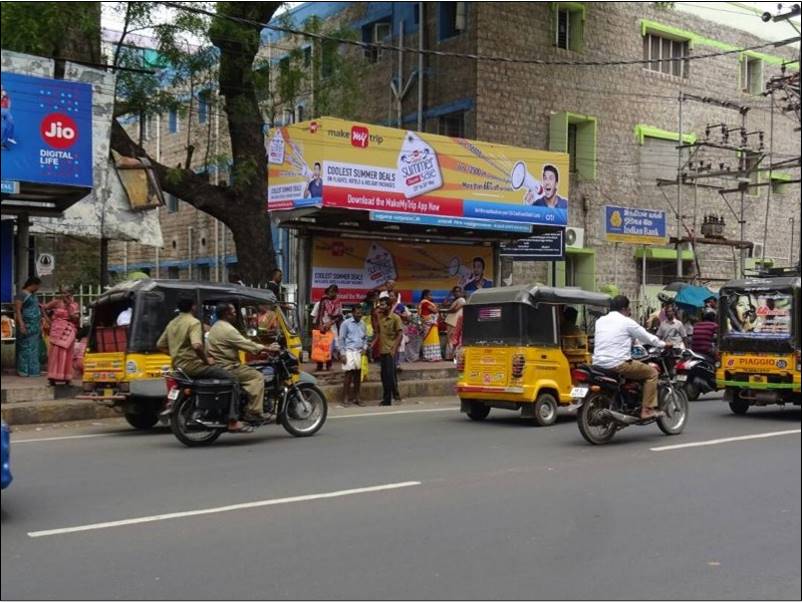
point(191, 437)
point(305, 410)
point(595, 430)
point(674, 402)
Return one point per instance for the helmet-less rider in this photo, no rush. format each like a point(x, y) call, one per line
point(613, 351)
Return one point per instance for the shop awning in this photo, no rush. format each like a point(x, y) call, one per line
point(662, 254)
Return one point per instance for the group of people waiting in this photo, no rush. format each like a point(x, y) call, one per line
point(47, 331)
point(382, 328)
point(696, 331)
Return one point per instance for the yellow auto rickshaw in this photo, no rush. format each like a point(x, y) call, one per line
point(758, 344)
point(519, 350)
point(122, 367)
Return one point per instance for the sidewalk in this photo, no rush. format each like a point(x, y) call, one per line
point(34, 401)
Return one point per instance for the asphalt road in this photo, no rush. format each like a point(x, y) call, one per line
point(424, 504)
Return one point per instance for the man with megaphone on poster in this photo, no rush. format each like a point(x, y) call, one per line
point(539, 194)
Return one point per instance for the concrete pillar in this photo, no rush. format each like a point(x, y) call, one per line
point(22, 251)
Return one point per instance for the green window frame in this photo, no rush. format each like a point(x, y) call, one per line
point(567, 25)
point(584, 140)
point(750, 71)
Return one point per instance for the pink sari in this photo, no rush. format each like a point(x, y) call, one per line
point(62, 341)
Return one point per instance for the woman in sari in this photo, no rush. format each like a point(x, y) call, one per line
point(267, 322)
point(453, 314)
point(29, 328)
point(329, 316)
point(428, 312)
point(63, 329)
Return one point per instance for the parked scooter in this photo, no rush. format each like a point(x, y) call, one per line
point(696, 373)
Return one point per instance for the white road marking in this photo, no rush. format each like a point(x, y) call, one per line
point(219, 509)
point(725, 440)
point(18, 441)
point(394, 413)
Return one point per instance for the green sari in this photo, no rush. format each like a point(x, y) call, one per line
point(28, 345)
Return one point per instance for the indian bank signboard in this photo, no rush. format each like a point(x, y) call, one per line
point(335, 163)
point(46, 131)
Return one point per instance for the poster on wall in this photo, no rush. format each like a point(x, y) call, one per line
point(338, 163)
point(359, 266)
point(46, 131)
point(759, 314)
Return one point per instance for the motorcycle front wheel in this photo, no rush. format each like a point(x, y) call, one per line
point(594, 428)
point(184, 429)
point(674, 402)
point(305, 410)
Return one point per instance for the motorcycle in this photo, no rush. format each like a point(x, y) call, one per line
point(199, 409)
point(697, 374)
point(609, 403)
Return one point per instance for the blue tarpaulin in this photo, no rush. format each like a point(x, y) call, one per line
point(693, 296)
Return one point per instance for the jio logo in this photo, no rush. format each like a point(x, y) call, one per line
point(59, 130)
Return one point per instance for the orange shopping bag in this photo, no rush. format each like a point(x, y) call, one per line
point(321, 346)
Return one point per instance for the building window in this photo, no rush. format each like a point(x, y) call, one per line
point(307, 56)
point(568, 27)
point(203, 106)
point(377, 32)
point(751, 75)
point(173, 273)
point(299, 113)
point(663, 50)
point(172, 202)
point(203, 272)
point(173, 123)
point(328, 58)
point(289, 117)
point(452, 125)
point(576, 135)
point(451, 19)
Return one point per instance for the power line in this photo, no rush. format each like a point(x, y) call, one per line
point(472, 56)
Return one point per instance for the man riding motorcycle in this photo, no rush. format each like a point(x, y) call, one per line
point(224, 342)
point(613, 347)
point(182, 339)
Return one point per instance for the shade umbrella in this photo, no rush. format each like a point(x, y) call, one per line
point(693, 297)
point(675, 286)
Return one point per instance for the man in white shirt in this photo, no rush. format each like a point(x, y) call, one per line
point(124, 317)
point(612, 351)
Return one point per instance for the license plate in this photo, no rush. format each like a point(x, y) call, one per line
point(108, 392)
point(682, 378)
point(757, 379)
point(172, 395)
point(579, 392)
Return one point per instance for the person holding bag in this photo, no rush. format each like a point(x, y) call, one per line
point(63, 330)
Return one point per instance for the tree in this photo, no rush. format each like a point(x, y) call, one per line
point(228, 54)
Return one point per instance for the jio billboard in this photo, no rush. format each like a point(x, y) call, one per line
point(46, 131)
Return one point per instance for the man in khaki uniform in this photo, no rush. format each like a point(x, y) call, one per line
point(183, 340)
point(223, 344)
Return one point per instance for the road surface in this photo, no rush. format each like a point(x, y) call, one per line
point(417, 502)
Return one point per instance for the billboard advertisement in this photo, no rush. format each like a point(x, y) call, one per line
point(635, 226)
point(544, 246)
point(335, 163)
point(759, 314)
point(358, 266)
point(46, 131)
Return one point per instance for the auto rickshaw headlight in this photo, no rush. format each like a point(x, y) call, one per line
point(131, 367)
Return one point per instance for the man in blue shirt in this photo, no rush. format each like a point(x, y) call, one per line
point(315, 188)
point(353, 342)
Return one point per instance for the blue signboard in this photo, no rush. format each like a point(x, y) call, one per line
point(544, 246)
point(46, 131)
point(448, 222)
point(633, 225)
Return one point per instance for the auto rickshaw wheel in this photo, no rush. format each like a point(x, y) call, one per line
point(478, 411)
point(739, 406)
point(545, 411)
point(143, 421)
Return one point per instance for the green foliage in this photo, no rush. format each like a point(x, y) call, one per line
point(38, 27)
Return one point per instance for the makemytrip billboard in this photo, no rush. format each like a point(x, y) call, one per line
point(46, 131)
point(357, 266)
point(335, 163)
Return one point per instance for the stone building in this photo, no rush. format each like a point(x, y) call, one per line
point(619, 122)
